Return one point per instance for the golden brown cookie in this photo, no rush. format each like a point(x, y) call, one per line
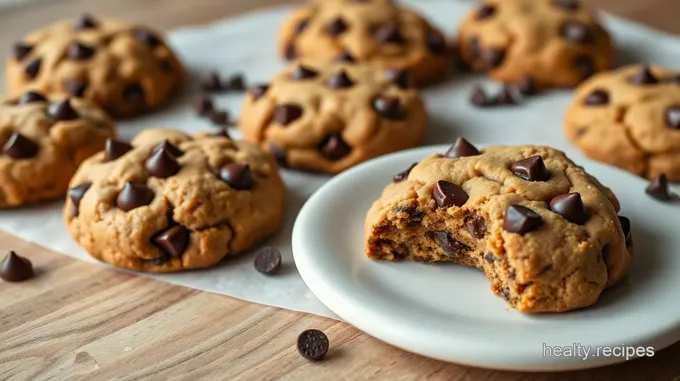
point(544, 231)
point(557, 43)
point(379, 32)
point(169, 202)
point(327, 117)
point(125, 69)
point(43, 141)
point(629, 118)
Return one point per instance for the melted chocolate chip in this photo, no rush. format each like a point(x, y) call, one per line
point(389, 34)
point(489, 257)
point(658, 188)
point(475, 226)
point(267, 260)
point(399, 77)
point(334, 147)
point(485, 11)
point(449, 245)
point(78, 51)
point(114, 149)
point(258, 91)
point(134, 93)
point(597, 97)
point(521, 220)
point(31, 97)
point(75, 87)
point(673, 117)
point(76, 195)
point(312, 344)
point(32, 68)
point(531, 169)
point(62, 111)
point(401, 176)
point(337, 27)
point(238, 176)
point(345, 57)
point(21, 50)
point(134, 196)
point(147, 37)
point(388, 107)
point(287, 113)
point(461, 148)
point(20, 147)
point(162, 164)
point(448, 194)
point(174, 241)
point(86, 21)
point(340, 80)
point(15, 268)
point(643, 76)
point(302, 72)
point(570, 206)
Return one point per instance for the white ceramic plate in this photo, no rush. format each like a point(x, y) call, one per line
point(447, 311)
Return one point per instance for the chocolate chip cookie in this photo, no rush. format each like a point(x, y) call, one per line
point(168, 201)
point(379, 32)
point(123, 68)
point(545, 232)
point(629, 118)
point(44, 140)
point(556, 43)
point(327, 117)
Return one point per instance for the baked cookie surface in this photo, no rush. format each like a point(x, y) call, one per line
point(125, 69)
point(43, 142)
point(327, 117)
point(629, 118)
point(169, 202)
point(545, 233)
point(558, 43)
point(379, 32)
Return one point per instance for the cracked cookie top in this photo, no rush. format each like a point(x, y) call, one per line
point(379, 32)
point(558, 43)
point(44, 140)
point(327, 117)
point(629, 118)
point(169, 201)
point(125, 69)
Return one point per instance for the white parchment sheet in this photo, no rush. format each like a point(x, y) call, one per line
point(247, 44)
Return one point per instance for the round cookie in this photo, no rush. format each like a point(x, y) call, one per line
point(545, 232)
point(327, 117)
point(124, 69)
point(171, 202)
point(557, 43)
point(378, 32)
point(629, 118)
point(43, 142)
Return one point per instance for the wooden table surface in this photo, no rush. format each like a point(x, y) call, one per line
point(79, 321)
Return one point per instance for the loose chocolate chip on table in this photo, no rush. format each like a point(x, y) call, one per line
point(290, 53)
point(258, 91)
point(489, 257)
point(301, 26)
point(345, 57)
point(435, 42)
point(570, 5)
point(171, 148)
point(267, 260)
point(527, 86)
point(287, 113)
point(32, 68)
point(279, 154)
point(389, 34)
point(570, 206)
point(388, 107)
point(236, 82)
point(643, 76)
point(302, 72)
point(237, 175)
point(21, 50)
point(448, 194)
point(475, 226)
point(399, 77)
point(147, 37)
point(79, 51)
point(337, 27)
point(461, 148)
point(173, 241)
point(449, 245)
point(478, 97)
point(625, 227)
point(162, 164)
point(62, 111)
point(576, 31)
point(597, 97)
point(340, 80)
point(312, 344)
point(213, 83)
point(75, 87)
point(485, 11)
point(134, 93)
point(531, 169)
point(30, 97)
point(113, 149)
point(133, 196)
point(492, 57)
point(401, 176)
point(658, 188)
point(220, 118)
point(506, 96)
point(673, 117)
point(204, 107)
point(86, 21)
point(15, 268)
point(19, 147)
point(76, 194)
point(521, 220)
point(585, 66)
point(334, 147)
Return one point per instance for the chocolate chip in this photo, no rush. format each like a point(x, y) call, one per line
point(388, 107)
point(302, 72)
point(21, 50)
point(162, 164)
point(345, 57)
point(531, 169)
point(475, 226)
point(625, 227)
point(290, 53)
point(506, 96)
point(222, 133)
point(389, 34)
point(576, 31)
point(340, 80)
point(30, 97)
point(213, 83)
point(478, 97)
point(287, 113)
point(75, 87)
point(79, 51)
point(113, 149)
point(489, 257)
point(527, 86)
point(450, 246)
point(399, 77)
point(570, 5)
point(401, 176)
point(171, 148)
point(15, 268)
point(448, 194)
point(485, 11)
point(585, 66)
point(312, 344)
point(461, 148)
point(19, 147)
point(134, 93)
point(86, 21)
point(267, 260)
point(279, 154)
point(220, 118)
point(76, 194)
point(658, 188)
point(204, 107)
point(62, 111)
point(643, 76)
point(570, 206)
point(236, 82)
point(147, 37)
point(506, 293)
point(435, 42)
point(521, 220)
point(337, 27)
point(32, 68)
point(492, 57)
point(673, 117)
point(258, 91)
point(333, 147)
point(597, 97)
point(301, 26)
point(174, 241)
point(133, 196)
point(237, 175)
